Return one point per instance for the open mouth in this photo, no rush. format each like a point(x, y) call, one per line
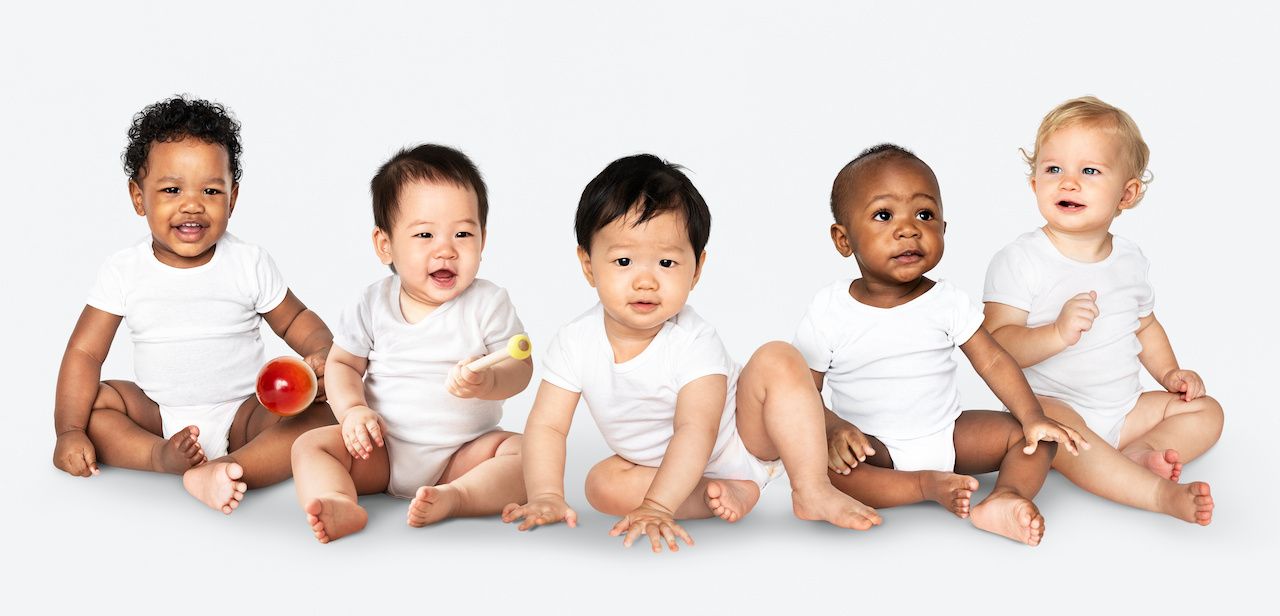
point(444, 278)
point(910, 256)
point(1070, 206)
point(190, 231)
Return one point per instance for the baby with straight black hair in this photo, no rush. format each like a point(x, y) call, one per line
point(693, 436)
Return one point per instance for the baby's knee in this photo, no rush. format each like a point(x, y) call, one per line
point(1211, 410)
point(511, 446)
point(318, 440)
point(605, 490)
point(108, 399)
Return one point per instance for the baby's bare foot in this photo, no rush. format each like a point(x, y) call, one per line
point(432, 504)
point(1163, 463)
point(1190, 502)
point(217, 485)
point(826, 503)
point(333, 517)
point(731, 499)
point(949, 490)
point(1010, 515)
point(179, 453)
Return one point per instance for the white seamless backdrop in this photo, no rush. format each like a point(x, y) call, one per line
point(763, 103)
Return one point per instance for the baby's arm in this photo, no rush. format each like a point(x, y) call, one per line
point(305, 333)
point(497, 382)
point(1002, 374)
point(699, 408)
point(1032, 345)
point(361, 425)
point(846, 444)
point(1157, 357)
point(78, 388)
point(543, 454)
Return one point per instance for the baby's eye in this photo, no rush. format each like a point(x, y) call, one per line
point(426, 235)
point(1053, 169)
point(667, 263)
point(172, 190)
point(882, 216)
point(924, 215)
point(1091, 171)
point(622, 261)
point(212, 191)
point(463, 234)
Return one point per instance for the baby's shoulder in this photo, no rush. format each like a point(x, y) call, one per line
point(1124, 247)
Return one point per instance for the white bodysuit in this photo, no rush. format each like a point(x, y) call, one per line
point(408, 367)
point(634, 402)
point(195, 331)
point(1099, 375)
point(891, 370)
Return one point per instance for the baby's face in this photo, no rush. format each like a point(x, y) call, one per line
point(186, 196)
point(893, 221)
point(1081, 180)
point(435, 242)
point(643, 273)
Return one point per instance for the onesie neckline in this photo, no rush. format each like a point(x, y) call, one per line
point(844, 291)
point(1046, 244)
point(394, 302)
point(219, 247)
point(642, 357)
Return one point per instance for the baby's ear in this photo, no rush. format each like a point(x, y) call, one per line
point(697, 270)
point(585, 259)
point(382, 245)
point(135, 195)
point(840, 237)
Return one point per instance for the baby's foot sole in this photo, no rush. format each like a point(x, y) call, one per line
point(730, 500)
point(334, 517)
point(1165, 463)
point(432, 504)
point(1009, 515)
point(217, 485)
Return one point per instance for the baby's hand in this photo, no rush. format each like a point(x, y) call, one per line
point(1045, 429)
point(1077, 317)
point(361, 430)
point(654, 520)
point(540, 511)
point(465, 383)
point(1185, 382)
point(316, 361)
point(74, 454)
point(846, 447)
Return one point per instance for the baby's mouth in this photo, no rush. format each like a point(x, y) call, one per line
point(444, 278)
point(642, 306)
point(1071, 206)
point(189, 230)
point(910, 256)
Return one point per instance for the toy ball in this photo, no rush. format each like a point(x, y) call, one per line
point(286, 386)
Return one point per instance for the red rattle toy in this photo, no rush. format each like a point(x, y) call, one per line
point(286, 386)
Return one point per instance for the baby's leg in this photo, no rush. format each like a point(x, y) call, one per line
point(329, 481)
point(125, 429)
point(1163, 431)
point(481, 477)
point(1104, 471)
point(987, 439)
point(259, 443)
point(616, 487)
point(885, 487)
point(780, 415)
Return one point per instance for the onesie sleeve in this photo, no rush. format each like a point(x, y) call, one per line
point(107, 293)
point(966, 317)
point(1147, 298)
point(703, 355)
point(499, 321)
point(271, 286)
point(558, 367)
point(354, 332)
point(811, 343)
point(1009, 279)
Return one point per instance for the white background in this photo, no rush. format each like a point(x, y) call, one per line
point(763, 104)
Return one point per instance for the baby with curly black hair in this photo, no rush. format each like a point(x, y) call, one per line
point(193, 296)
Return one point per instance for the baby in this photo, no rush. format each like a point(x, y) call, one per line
point(193, 296)
point(884, 344)
point(1073, 304)
point(415, 421)
point(693, 436)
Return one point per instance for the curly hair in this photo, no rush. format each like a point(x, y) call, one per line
point(175, 119)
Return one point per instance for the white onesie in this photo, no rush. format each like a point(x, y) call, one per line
point(891, 370)
point(196, 346)
point(1098, 376)
point(634, 402)
point(409, 364)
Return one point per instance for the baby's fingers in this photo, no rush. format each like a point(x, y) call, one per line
point(655, 537)
point(90, 463)
point(842, 460)
point(375, 431)
point(509, 512)
point(620, 527)
point(571, 518)
point(670, 537)
point(634, 533)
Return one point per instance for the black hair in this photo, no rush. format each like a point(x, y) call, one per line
point(843, 184)
point(425, 163)
point(175, 119)
point(650, 186)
